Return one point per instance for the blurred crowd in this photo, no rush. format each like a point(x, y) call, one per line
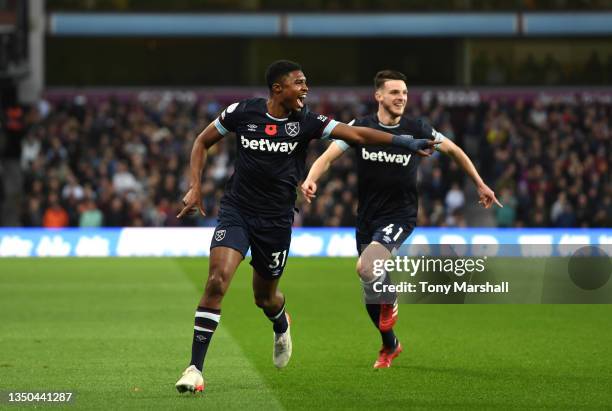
point(125, 163)
point(550, 164)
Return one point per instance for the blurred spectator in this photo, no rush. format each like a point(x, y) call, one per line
point(115, 215)
point(55, 216)
point(583, 211)
point(558, 207)
point(123, 180)
point(538, 115)
point(90, 216)
point(506, 216)
point(455, 199)
point(30, 149)
point(32, 215)
point(456, 219)
point(566, 218)
point(72, 189)
point(14, 125)
point(438, 214)
point(436, 186)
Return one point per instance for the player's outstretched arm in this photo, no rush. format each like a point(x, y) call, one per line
point(486, 195)
point(199, 152)
point(320, 167)
point(370, 136)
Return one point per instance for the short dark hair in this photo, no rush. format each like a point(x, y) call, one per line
point(385, 75)
point(279, 69)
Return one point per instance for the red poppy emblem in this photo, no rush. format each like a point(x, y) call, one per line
point(270, 129)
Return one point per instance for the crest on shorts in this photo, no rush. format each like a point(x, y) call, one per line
point(219, 235)
point(292, 129)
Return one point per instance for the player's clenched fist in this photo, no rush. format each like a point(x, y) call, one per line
point(192, 203)
point(309, 188)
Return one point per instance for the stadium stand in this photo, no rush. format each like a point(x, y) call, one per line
point(124, 163)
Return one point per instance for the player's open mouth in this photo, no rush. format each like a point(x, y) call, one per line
point(300, 100)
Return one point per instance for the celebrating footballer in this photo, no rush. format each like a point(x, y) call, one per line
point(257, 208)
point(388, 198)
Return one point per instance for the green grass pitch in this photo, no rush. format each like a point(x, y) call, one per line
point(117, 333)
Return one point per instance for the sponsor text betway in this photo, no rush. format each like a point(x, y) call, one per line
point(265, 144)
point(385, 157)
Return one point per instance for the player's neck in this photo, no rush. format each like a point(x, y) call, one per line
point(275, 109)
point(387, 118)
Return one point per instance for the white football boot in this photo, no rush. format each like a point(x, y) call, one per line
point(282, 347)
point(191, 380)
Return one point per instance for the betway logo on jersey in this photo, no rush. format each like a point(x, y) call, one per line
point(384, 157)
point(265, 144)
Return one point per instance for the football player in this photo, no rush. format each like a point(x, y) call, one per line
point(387, 193)
point(272, 137)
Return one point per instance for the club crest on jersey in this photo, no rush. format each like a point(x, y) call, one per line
point(292, 129)
point(219, 235)
point(270, 129)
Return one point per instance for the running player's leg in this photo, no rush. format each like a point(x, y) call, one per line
point(221, 268)
point(381, 307)
point(375, 247)
point(382, 313)
point(269, 248)
point(272, 302)
point(371, 256)
point(222, 265)
point(229, 245)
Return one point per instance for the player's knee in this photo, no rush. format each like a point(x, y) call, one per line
point(363, 270)
point(217, 283)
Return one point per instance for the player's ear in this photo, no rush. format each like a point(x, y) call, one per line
point(378, 96)
point(276, 88)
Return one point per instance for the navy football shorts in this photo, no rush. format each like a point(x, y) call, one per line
point(268, 238)
point(390, 234)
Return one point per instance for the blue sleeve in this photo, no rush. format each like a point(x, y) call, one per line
point(318, 125)
point(343, 145)
point(439, 138)
point(222, 130)
point(328, 129)
point(228, 120)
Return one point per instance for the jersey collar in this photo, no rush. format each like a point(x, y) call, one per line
point(386, 126)
point(276, 119)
